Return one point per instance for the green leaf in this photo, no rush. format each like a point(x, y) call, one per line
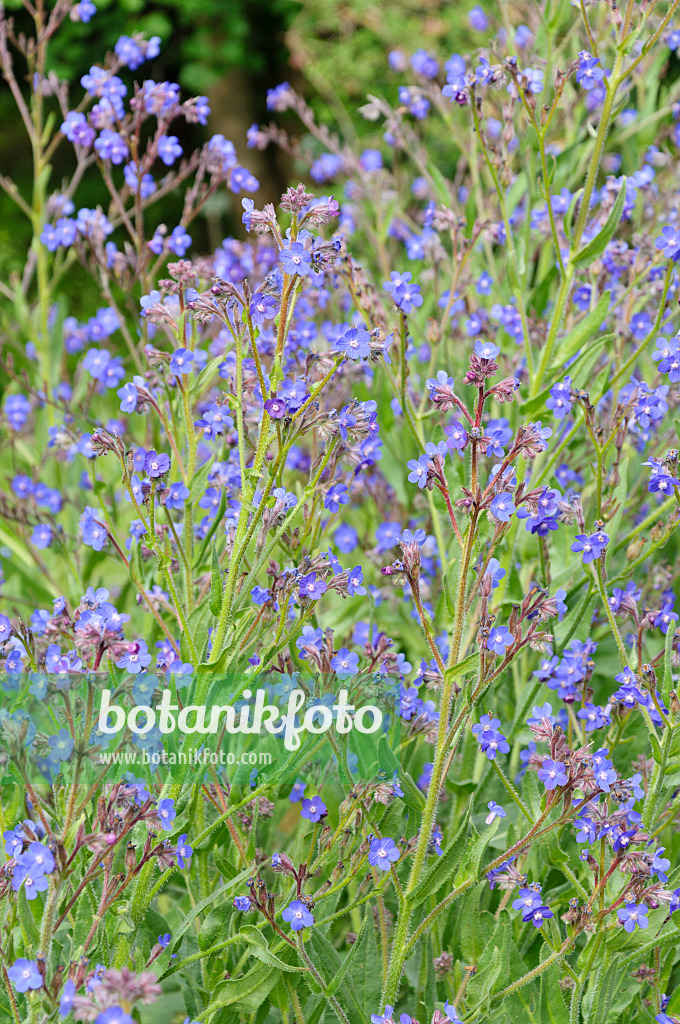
point(656, 749)
point(667, 670)
point(215, 583)
point(367, 968)
point(441, 186)
point(584, 329)
point(479, 845)
point(363, 964)
point(446, 584)
point(389, 764)
point(260, 949)
point(212, 529)
point(199, 481)
point(596, 247)
point(620, 497)
point(328, 962)
point(608, 977)
point(428, 984)
point(249, 992)
point(28, 926)
point(445, 867)
point(466, 665)
point(214, 924)
point(222, 890)
point(553, 1007)
point(489, 966)
point(569, 216)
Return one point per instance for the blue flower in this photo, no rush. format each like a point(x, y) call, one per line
point(313, 809)
point(24, 975)
point(591, 546)
point(169, 149)
point(495, 811)
point(537, 916)
point(355, 343)
point(499, 639)
point(296, 259)
point(383, 853)
point(181, 362)
point(633, 915)
point(297, 792)
point(184, 851)
point(61, 745)
point(588, 72)
point(167, 813)
point(298, 916)
point(669, 242)
point(553, 774)
point(503, 507)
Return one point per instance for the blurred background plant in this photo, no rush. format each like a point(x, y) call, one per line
point(334, 53)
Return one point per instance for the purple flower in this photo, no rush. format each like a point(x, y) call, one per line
point(263, 307)
point(93, 532)
point(478, 19)
point(345, 663)
point(297, 792)
point(167, 813)
point(503, 507)
point(24, 975)
point(528, 899)
point(669, 242)
point(537, 916)
point(242, 903)
point(181, 362)
point(42, 536)
point(17, 409)
point(588, 72)
point(298, 916)
point(276, 407)
point(114, 1015)
point(311, 587)
point(355, 581)
point(179, 240)
point(33, 884)
point(560, 400)
point(383, 853)
point(110, 146)
point(184, 851)
point(169, 149)
point(38, 859)
point(66, 999)
point(136, 658)
point(590, 546)
point(660, 865)
point(498, 639)
point(405, 294)
point(313, 808)
point(633, 915)
point(176, 495)
point(156, 465)
point(355, 343)
point(495, 811)
point(456, 436)
point(605, 776)
point(77, 130)
point(552, 774)
point(296, 259)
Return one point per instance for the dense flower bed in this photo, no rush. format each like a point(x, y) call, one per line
point(401, 464)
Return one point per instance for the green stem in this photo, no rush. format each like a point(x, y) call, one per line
point(512, 791)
